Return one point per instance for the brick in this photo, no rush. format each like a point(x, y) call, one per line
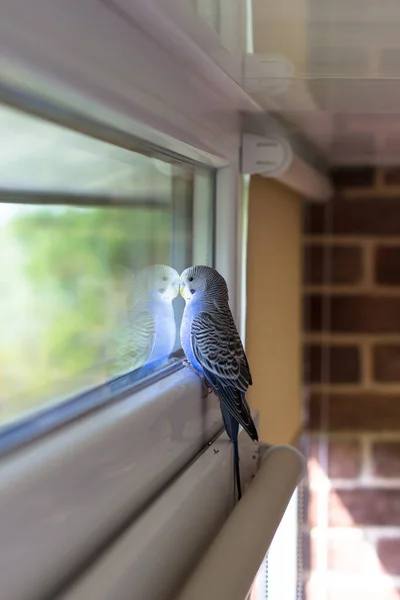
point(391, 176)
point(353, 177)
point(389, 555)
point(387, 265)
point(344, 458)
point(386, 459)
point(338, 513)
point(386, 362)
point(372, 216)
point(343, 362)
point(364, 507)
point(352, 314)
point(360, 411)
point(345, 264)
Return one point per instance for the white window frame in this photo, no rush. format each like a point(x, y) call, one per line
point(229, 50)
point(67, 493)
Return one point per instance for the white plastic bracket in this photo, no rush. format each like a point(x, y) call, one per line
point(267, 73)
point(267, 155)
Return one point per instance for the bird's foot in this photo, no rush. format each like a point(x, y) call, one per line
point(205, 389)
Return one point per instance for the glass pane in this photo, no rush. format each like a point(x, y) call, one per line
point(209, 10)
point(82, 224)
point(227, 19)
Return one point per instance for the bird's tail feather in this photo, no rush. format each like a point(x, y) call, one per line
point(232, 429)
point(236, 467)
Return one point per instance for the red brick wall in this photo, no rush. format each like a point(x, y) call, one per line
point(352, 372)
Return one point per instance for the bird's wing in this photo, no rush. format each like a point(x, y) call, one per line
point(138, 337)
point(217, 347)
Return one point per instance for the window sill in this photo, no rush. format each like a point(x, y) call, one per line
point(155, 554)
point(87, 481)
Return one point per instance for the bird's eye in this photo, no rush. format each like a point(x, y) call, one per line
point(190, 278)
point(161, 290)
point(165, 278)
point(192, 292)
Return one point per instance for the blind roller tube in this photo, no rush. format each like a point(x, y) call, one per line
point(229, 566)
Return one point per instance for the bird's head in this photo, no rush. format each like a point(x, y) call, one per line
point(161, 282)
point(201, 281)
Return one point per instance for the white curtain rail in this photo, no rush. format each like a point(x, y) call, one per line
point(228, 568)
point(306, 180)
point(291, 159)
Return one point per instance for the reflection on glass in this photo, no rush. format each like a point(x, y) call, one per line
point(227, 19)
point(209, 11)
point(80, 223)
point(148, 333)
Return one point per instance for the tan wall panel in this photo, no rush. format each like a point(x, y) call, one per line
point(273, 308)
point(281, 28)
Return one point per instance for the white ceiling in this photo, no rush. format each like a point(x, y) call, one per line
point(344, 89)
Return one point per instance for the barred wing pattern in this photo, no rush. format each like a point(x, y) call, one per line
point(217, 347)
point(138, 338)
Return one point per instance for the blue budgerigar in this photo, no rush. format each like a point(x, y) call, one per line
point(149, 328)
point(213, 347)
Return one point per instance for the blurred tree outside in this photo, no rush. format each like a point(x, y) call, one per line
point(65, 277)
point(66, 272)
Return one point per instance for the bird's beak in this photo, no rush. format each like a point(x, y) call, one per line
point(176, 287)
point(182, 289)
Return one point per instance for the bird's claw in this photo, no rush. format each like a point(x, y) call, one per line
point(206, 390)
